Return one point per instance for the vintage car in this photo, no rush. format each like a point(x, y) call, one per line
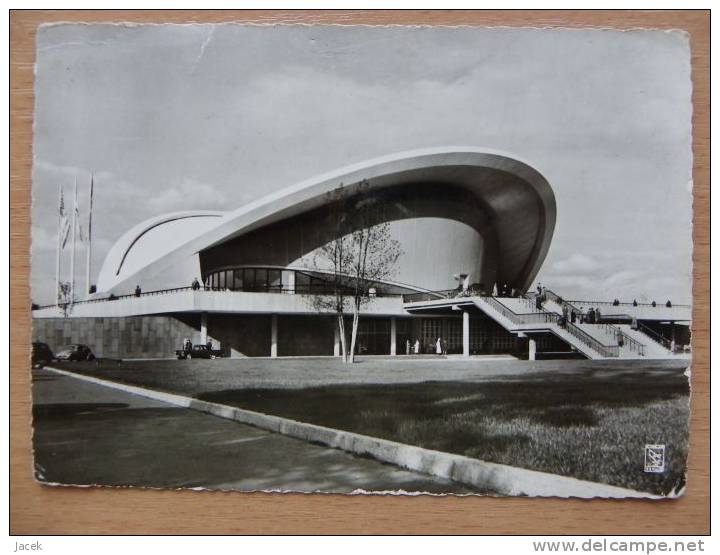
point(75, 352)
point(198, 351)
point(41, 354)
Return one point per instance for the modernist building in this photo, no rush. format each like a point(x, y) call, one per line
point(482, 215)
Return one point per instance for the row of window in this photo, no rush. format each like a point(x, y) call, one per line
point(246, 279)
point(267, 280)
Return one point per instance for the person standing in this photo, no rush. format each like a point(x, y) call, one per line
point(417, 346)
point(438, 347)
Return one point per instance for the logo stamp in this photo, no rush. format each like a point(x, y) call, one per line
point(655, 458)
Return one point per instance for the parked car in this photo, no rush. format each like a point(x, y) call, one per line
point(75, 352)
point(41, 354)
point(198, 351)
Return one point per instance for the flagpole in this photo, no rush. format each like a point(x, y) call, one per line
point(88, 262)
point(59, 246)
point(72, 258)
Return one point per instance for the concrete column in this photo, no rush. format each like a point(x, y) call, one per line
point(273, 335)
point(203, 328)
point(466, 333)
point(532, 349)
point(393, 336)
point(336, 344)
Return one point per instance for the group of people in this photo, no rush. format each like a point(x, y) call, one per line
point(188, 345)
point(439, 347)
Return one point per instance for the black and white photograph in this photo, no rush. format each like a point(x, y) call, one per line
point(357, 259)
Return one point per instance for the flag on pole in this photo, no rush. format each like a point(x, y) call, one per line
point(76, 215)
point(64, 222)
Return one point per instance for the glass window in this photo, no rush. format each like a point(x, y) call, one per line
point(229, 279)
point(249, 279)
point(275, 279)
point(238, 283)
point(221, 280)
point(213, 280)
point(261, 278)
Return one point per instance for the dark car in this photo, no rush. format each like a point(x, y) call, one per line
point(198, 351)
point(75, 352)
point(41, 354)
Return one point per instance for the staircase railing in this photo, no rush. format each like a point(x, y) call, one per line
point(631, 343)
point(562, 302)
point(524, 318)
point(608, 351)
point(655, 336)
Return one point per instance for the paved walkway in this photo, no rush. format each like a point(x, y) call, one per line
point(90, 434)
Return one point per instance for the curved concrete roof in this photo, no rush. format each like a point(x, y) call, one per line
point(116, 264)
point(466, 167)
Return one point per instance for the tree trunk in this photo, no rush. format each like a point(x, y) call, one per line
point(343, 342)
point(353, 337)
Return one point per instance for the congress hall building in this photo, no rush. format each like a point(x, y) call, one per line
point(473, 229)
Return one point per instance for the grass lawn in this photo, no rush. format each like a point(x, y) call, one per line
point(594, 431)
point(586, 419)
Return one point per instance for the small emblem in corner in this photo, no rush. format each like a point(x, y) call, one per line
point(655, 458)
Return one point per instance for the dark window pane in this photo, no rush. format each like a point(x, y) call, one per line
point(249, 279)
point(229, 279)
point(221, 283)
point(238, 283)
point(275, 279)
point(260, 278)
point(213, 280)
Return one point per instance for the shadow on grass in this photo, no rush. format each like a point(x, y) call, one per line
point(589, 427)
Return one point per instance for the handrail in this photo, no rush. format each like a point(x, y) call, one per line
point(550, 317)
point(298, 290)
point(526, 318)
point(655, 336)
point(430, 295)
point(563, 302)
point(629, 341)
point(632, 343)
point(605, 350)
point(612, 303)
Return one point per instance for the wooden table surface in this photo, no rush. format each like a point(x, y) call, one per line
point(36, 509)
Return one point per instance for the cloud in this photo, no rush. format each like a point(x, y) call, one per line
point(172, 117)
point(577, 263)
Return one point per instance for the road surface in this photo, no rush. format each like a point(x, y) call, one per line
point(88, 434)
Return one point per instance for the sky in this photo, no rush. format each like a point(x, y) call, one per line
point(171, 117)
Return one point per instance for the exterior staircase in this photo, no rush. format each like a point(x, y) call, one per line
point(654, 348)
point(520, 315)
point(629, 345)
point(600, 340)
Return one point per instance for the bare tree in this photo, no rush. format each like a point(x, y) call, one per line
point(361, 254)
point(65, 297)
